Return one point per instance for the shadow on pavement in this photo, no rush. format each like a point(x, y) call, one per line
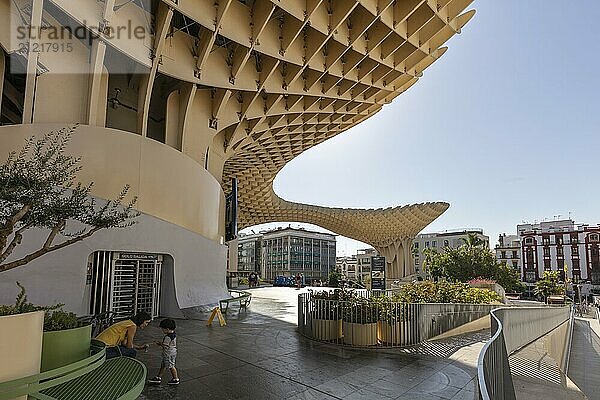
point(259, 355)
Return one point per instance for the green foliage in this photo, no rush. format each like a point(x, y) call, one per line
point(335, 276)
point(473, 260)
point(326, 304)
point(390, 310)
point(549, 285)
point(60, 320)
point(349, 306)
point(38, 189)
point(444, 292)
point(243, 281)
point(360, 311)
point(55, 319)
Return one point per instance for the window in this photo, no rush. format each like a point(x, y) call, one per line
point(514, 254)
point(575, 251)
point(574, 238)
point(515, 264)
point(446, 243)
point(547, 265)
point(529, 240)
point(416, 245)
point(503, 254)
point(434, 244)
point(545, 240)
point(593, 237)
point(426, 244)
point(546, 251)
point(558, 238)
point(559, 251)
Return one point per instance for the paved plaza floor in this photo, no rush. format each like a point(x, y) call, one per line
point(260, 355)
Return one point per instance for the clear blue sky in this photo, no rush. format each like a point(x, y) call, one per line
point(505, 127)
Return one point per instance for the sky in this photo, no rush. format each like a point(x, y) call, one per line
point(504, 127)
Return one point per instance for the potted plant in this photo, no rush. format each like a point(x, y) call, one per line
point(20, 341)
point(392, 323)
point(359, 324)
point(326, 315)
point(65, 339)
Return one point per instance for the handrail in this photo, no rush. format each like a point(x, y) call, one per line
point(567, 352)
point(496, 340)
point(514, 329)
point(38, 382)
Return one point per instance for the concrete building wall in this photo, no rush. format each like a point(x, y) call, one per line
point(197, 275)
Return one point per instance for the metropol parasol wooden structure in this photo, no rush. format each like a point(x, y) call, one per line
point(231, 89)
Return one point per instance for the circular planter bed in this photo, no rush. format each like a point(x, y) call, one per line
point(395, 334)
point(64, 347)
point(326, 329)
point(360, 334)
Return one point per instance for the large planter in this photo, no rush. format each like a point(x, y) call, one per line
point(61, 348)
point(20, 345)
point(326, 329)
point(360, 334)
point(397, 333)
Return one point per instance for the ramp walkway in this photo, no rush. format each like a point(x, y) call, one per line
point(584, 364)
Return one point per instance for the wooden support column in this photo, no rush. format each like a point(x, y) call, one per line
point(109, 10)
point(96, 100)
point(164, 16)
point(2, 69)
point(187, 100)
point(32, 62)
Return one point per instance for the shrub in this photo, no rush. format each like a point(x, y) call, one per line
point(444, 292)
point(55, 319)
point(360, 311)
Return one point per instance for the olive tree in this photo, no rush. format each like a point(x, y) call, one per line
point(38, 190)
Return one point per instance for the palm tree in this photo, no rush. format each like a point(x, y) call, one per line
point(472, 240)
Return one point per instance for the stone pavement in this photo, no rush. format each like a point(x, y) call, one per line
point(584, 364)
point(259, 355)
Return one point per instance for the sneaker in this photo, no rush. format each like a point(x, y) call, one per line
point(173, 382)
point(156, 379)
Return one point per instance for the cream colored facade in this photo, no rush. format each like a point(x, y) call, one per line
point(220, 89)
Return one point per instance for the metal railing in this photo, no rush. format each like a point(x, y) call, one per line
point(380, 322)
point(566, 356)
point(513, 329)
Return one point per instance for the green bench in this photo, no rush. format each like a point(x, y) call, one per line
point(237, 296)
point(93, 378)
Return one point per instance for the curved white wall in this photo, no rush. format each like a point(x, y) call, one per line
point(169, 185)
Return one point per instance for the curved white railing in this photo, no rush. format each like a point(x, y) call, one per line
point(513, 329)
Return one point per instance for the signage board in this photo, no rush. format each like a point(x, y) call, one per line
point(378, 273)
point(137, 256)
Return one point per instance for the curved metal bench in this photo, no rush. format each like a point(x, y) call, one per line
point(93, 378)
point(243, 298)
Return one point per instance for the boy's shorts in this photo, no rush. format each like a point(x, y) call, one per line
point(168, 360)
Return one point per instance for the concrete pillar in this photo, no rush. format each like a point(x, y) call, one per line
point(97, 99)
point(2, 69)
point(32, 62)
point(164, 16)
